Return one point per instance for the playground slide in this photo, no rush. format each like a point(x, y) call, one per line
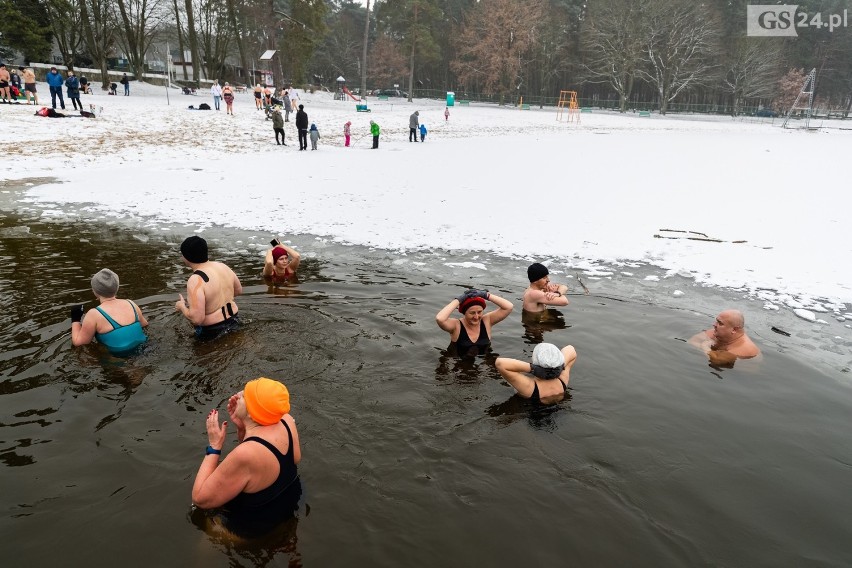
point(345, 90)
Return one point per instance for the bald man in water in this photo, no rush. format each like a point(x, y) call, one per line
point(727, 340)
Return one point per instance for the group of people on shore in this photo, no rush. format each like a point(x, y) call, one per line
point(258, 483)
point(18, 81)
point(23, 81)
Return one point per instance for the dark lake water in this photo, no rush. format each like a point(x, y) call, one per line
point(410, 456)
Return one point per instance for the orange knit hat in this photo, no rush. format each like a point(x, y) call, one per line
point(267, 401)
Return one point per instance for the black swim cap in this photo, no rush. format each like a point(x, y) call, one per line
point(194, 249)
point(536, 271)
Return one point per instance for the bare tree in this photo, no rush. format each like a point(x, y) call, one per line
point(192, 37)
point(67, 29)
point(215, 34)
point(615, 40)
point(339, 54)
point(680, 48)
point(364, 50)
point(412, 23)
point(788, 88)
point(179, 30)
point(99, 33)
point(236, 29)
point(388, 61)
point(751, 71)
point(139, 22)
point(495, 44)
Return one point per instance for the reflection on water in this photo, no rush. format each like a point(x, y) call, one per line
point(539, 416)
point(536, 324)
point(406, 446)
point(259, 539)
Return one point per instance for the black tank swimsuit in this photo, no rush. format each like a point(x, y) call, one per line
point(287, 474)
point(465, 346)
point(252, 515)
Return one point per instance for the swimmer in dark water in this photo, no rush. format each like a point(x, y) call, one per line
point(726, 341)
point(116, 324)
point(541, 291)
point(281, 263)
point(550, 370)
point(250, 484)
point(210, 291)
point(473, 330)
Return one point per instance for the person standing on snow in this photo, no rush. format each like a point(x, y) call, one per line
point(423, 133)
point(287, 109)
point(278, 126)
point(302, 126)
point(315, 135)
point(55, 82)
point(30, 85)
point(374, 130)
point(446, 114)
point(413, 123)
point(347, 134)
point(228, 95)
point(72, 84)
point(216, 92)
point(4, 84)
point(126, 82)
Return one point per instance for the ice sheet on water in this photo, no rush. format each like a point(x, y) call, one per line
point(478, 265)
point(805, 314)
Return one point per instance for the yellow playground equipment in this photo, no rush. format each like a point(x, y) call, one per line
point(568, 99)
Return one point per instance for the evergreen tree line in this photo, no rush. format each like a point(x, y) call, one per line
point(627, 54)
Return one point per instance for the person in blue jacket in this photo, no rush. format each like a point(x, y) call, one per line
point(72, 84)
point(423, 132)
point(55, 82)
point(315, 135)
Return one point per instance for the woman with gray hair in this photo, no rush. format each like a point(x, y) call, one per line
point(548, 363)
point(117, 324)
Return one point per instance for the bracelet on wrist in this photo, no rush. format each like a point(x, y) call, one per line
point(212, 450)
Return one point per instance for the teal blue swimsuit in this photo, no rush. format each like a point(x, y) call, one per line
point(122, 338)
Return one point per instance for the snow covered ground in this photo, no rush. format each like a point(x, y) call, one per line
point(606, 191)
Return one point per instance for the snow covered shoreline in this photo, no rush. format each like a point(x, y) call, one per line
point(613, 189)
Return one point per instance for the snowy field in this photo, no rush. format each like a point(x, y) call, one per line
point(772, 202)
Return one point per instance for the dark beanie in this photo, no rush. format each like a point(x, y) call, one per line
point(536, 271)
point(194, 249)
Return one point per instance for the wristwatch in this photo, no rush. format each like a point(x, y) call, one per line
point(212, 450)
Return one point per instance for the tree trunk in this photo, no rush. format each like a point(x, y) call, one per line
point(232, 16)
point(364, 56)
point(96, 48)
point(180, 41)
point(135, 39)
point(192, 35)
point(628, 90)
point(411, 64)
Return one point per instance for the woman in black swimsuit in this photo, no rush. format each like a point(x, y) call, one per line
point(548, 363)
point(257, 474)
point(472, 332)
